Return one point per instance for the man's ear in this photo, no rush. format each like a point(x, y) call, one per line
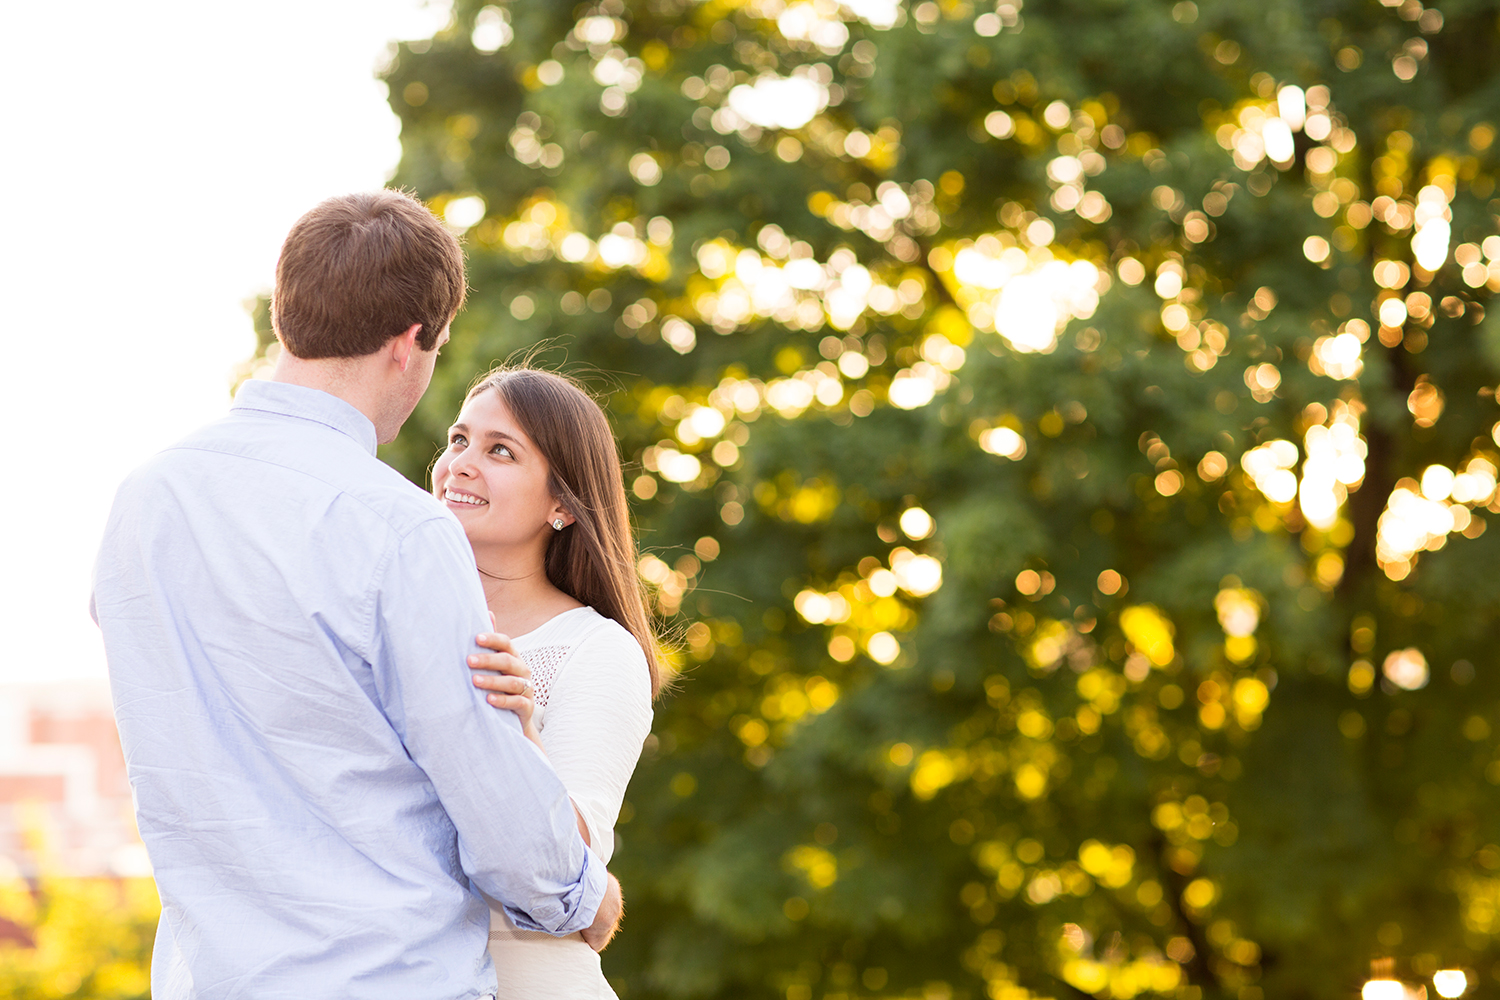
point(404, 344)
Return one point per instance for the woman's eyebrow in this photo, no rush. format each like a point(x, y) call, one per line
point(503, 436)
point(495, 435)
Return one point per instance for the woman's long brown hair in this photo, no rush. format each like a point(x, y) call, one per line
point(592, 560)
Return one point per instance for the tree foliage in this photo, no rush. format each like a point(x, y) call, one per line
point(1061, 438)
point(74, 938)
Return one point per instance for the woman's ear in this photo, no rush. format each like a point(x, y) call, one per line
point(560, 513)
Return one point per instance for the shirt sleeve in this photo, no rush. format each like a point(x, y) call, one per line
point(598, 717)
point(517, 838)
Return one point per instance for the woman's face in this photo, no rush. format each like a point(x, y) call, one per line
point(494, 479)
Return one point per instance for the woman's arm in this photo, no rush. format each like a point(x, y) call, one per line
point(598, 717)
point(507, 681)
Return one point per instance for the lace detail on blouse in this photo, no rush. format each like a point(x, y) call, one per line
point(548, 648)
point(544, 662)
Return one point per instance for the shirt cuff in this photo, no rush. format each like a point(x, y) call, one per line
point(580, 902)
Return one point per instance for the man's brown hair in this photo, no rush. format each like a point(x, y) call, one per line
point(360, 269)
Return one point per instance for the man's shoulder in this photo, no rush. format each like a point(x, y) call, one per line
point(387, 493)
point(403, 504)
point(278, 456)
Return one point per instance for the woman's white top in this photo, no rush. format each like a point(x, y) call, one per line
point(593, 712)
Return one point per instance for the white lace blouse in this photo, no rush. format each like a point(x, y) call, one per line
point(593, 698)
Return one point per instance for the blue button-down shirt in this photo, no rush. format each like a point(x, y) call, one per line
point(323, 792)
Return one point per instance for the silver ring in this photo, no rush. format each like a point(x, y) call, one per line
point(527, 692)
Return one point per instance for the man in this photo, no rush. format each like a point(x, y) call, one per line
point(322, 791)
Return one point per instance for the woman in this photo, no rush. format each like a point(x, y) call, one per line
point(532, 473)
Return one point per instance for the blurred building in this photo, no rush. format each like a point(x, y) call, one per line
point(65, 804)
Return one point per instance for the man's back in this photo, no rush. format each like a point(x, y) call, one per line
point(280, 612)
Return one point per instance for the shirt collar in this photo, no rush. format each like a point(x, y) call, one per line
point(306, 404)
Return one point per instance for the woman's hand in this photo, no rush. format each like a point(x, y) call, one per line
point(505, 678)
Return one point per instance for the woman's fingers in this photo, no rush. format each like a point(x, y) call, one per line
point(504, 663)
point(497, 641)
point(514, 694)
point(503, 683)
point(503, 659)
point(503, 676)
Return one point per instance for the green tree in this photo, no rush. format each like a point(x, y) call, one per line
point(1062, 445)
point(79, 938)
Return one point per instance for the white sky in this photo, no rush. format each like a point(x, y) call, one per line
point(155, 155)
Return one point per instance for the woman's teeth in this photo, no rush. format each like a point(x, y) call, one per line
point(464, 498)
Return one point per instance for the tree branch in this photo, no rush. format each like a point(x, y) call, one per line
point(1197, 967)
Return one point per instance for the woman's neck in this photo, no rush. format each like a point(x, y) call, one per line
point(517, 591)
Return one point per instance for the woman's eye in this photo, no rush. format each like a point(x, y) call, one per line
point(503, 451)
point(456, 441)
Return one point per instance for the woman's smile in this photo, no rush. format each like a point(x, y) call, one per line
point(458, 498)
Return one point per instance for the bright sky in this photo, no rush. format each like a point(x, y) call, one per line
point(157, 154)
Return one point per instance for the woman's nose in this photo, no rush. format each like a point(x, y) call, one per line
point(461, 465)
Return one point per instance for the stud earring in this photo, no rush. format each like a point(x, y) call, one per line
point(557, 525)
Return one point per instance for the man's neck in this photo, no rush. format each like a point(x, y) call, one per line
point(346, 378)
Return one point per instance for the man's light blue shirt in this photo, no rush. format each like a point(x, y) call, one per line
point(323, 792)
